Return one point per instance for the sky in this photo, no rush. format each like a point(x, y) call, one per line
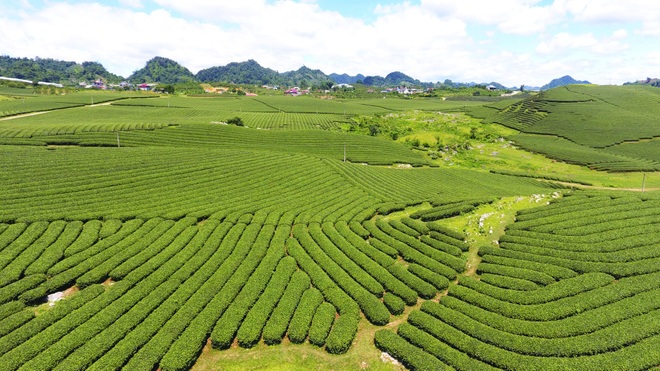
point(513, 42)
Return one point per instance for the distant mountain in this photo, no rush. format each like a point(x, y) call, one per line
point(345, 78)
point(562, 81)
point(305, 77)
point(55, 71)
point(648, 81)
point(249, 72)
point(162, 70)
point(392, 79)
point(399, 78)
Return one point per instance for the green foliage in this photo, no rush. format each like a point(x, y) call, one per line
point(408, 354)
point(235, 121)
point(281, 316)
point(302, 318)
point(249, 72)
point(394, 304)
point(322, 321)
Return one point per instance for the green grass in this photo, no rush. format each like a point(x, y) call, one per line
point(486, 224)
point(362, 356)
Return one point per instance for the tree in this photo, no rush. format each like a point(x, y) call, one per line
point(169, 89)
point(522, 88)
point(235, 121)
point(326, 85)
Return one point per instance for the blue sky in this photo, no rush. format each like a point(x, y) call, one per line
point(513, 42)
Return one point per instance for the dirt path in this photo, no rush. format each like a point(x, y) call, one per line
point(99, 104)
point(42, 112)
point(582, 186)
point(23, 115)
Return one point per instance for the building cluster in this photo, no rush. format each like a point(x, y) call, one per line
point(403, 90)
point(124, 85)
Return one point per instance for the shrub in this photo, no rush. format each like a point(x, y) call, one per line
point(394, 303)
point(321, 323)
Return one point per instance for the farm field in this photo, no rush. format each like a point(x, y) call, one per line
point(144, 232)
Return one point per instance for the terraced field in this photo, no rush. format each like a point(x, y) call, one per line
point(573, 285)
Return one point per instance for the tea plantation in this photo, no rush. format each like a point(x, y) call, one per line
point(146, 233)
point(612, 128)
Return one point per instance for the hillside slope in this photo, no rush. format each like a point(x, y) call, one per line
point(604, 127)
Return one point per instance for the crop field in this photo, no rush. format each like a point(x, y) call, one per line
point(146, 233)
point(586, 124)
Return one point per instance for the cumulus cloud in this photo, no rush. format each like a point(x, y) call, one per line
point(565, 42)
point(132, 3)
point(521, 17)
point(643, 14)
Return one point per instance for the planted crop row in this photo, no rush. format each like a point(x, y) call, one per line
point(373, 309)
point(416, 254)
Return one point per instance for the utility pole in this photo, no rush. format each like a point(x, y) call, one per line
point(643, 182)
point(344, 152)
point(118, 146)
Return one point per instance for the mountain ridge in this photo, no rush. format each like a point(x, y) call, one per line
point(167, 71)
point(562, 81)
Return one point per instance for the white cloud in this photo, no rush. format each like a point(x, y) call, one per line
point(132, 3)
point(605, 11)
point(520, 17)
point(644, 14)
point(651, 28)
point(565, 42)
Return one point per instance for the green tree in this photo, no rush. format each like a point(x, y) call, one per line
point(235, 121)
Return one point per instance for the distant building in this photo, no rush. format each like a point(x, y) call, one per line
point(147, 87)
point(491, 87)
point(293, 92)
point(342, 86)
point(15, 80)
point(50, 84)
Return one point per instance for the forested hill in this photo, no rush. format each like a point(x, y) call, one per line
point(162, 70)
point(250, 72)
point(56, 71)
